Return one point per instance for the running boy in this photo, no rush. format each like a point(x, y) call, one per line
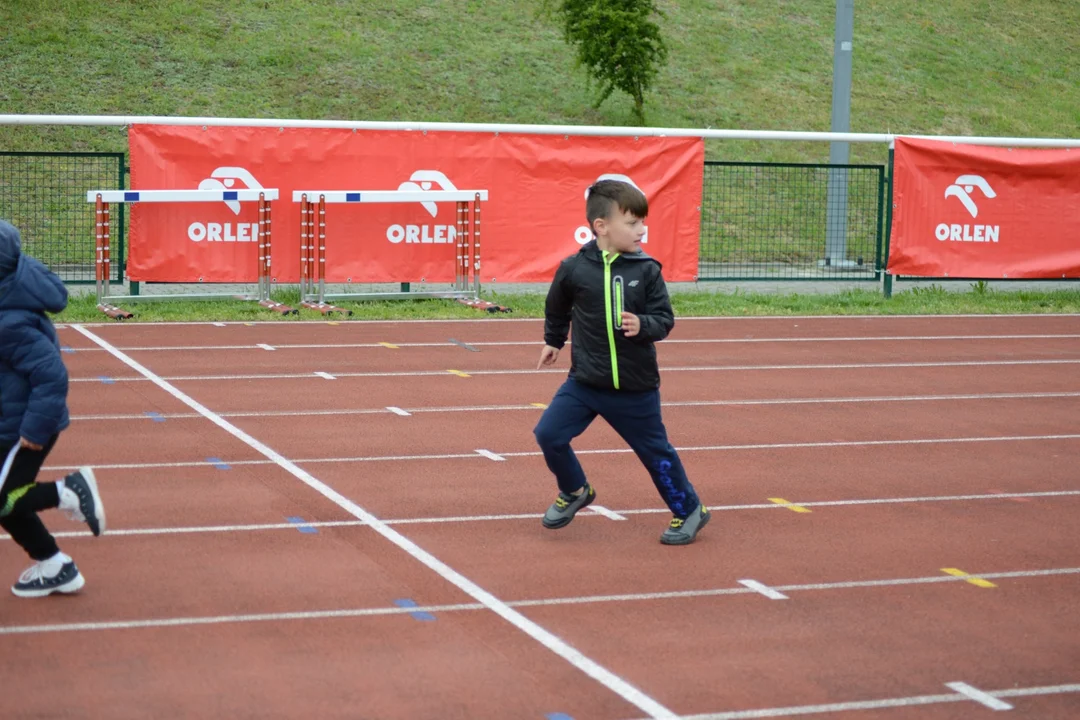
point(617, 299)
point(33, 412)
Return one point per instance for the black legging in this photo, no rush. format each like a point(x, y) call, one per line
point(22, 498)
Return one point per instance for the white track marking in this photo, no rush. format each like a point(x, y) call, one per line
point(979, 696)
point(534, 408)
point(693, 318)
point(615, 451)
point(540, 602)
point(532, 343)
point(620, 515)
point(326, 376)
point(703, 368)
point(604, 512)
point(490, 455)
point(876, 704)
point(397, 411)
point(763, 589)
point(586, 665)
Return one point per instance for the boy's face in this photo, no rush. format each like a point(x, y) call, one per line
point(620, 232)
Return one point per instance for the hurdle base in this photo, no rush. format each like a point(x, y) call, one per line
point(277, 307)
point(433, 295)
point(485, 305)
point(195, 296)
point(114, 312)
point(325, 308)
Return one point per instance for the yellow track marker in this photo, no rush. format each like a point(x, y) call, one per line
point(539, 405)
point(333, 323)
point(978, 581)
point(388, 345)
point(458, 373)
point(790, 506)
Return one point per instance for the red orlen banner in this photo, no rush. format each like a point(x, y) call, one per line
point(534, 215)
point(984, 212)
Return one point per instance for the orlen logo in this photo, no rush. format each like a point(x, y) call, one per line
point(584, 233)
point(961, 190)
point(225, 178)
point(441, 234)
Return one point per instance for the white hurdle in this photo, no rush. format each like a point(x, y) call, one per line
point(102, 200)
point(313, 242)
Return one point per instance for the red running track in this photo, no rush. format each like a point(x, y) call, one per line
point(850, 463)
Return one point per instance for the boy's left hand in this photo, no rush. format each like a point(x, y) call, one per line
point(631, 325)
point(29, 445)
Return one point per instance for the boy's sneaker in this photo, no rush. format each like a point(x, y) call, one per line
point(81, 501)
point(33, 583)
point(566, 506)
point(683, 532)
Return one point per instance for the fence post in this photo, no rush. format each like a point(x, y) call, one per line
point(888, 226)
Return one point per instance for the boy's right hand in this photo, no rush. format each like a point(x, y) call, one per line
point(548, 356)
point(29, 445)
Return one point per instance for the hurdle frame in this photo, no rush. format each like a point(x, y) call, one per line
point(313, 226)
point(102, 200)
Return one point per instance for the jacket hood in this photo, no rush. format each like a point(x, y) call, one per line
point(26, 284)
point(10, 249)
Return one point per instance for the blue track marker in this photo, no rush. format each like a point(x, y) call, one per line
point(302, 527)
point(156, 417)
point(106, 379)
point(558, 716)
point(407, 603)
point(67, 349)
point(218, 463)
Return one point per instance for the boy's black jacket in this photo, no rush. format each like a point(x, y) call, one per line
point(602, 356)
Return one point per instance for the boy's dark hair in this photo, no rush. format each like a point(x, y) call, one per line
point(607, 193)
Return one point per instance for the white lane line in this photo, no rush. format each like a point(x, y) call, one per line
point(326, 376)
point(532, 343)
point(539, 602)
point(979, 696)
point(613, 451)
point(928, 319)
point(490, 455)
point(264, 346)
point(620, 515)
point(763, 589)
point(678, 403)
point(398, 411)
point(702, 368)
point(552, 642)
point(903, 702)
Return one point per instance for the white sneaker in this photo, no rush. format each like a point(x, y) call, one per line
point(34, 583)
point(81, 501)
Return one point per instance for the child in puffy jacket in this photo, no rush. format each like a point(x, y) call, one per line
point(615, 297)
point(33, 413)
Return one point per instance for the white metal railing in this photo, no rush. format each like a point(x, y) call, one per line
point(709, 133)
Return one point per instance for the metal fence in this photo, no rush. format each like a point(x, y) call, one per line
point(788, 221)
point(44, 196)
point(759, 221)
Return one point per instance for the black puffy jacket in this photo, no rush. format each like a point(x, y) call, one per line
point(591, 294)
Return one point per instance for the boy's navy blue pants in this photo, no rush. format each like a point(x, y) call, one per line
point(636, 417)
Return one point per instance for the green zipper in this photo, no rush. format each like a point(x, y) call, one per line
point(609, 315)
